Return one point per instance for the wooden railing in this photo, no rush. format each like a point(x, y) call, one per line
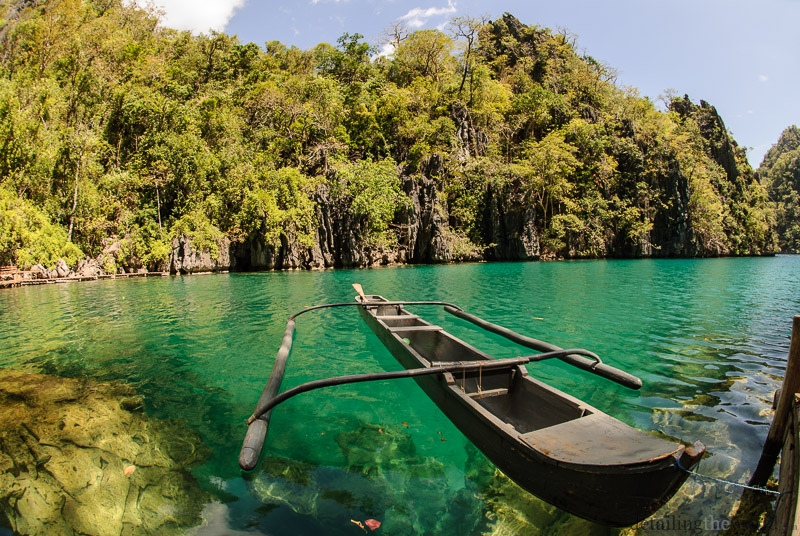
point(787, 521)
point(784, 440)
point(10, 270)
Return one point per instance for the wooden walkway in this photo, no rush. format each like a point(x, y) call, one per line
point(22, 282)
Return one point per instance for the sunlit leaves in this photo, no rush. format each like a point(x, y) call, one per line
point(371, 192)
point(425, 54)
point(28, 237)
point(279, 205)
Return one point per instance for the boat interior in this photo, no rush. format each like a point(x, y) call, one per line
point(507, 394)
point(541, 416)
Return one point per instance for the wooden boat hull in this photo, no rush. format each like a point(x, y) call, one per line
point(586, 463)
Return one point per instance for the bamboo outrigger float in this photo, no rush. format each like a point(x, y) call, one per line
point(553, 445)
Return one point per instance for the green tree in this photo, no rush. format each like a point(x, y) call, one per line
point(370, 191)
point(425, 53)
point(551, 162)
point(780, 174)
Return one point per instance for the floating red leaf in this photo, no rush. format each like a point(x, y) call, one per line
point(372, 523)
point(404, 424)
point(128, 470)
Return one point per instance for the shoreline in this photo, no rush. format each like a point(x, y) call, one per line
point(12, 283)
point(22, 282)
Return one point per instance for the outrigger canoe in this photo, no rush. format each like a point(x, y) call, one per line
point(551, 444)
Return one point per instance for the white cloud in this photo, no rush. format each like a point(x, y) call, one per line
point(417, 17)
point(763, 78)
point(386, 50)
point(197, 15)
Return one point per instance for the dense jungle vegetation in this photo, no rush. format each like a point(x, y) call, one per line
point(780, 173)
point(114, 129)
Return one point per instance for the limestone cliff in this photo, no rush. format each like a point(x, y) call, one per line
point(421, 226)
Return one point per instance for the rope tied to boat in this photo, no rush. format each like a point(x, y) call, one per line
point(729, 482)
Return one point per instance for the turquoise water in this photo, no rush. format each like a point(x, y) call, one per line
point(709, 339)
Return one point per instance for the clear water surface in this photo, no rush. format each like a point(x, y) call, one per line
point(709, 338)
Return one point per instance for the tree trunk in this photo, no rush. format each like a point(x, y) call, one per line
point(158, 201)
point(75, 197)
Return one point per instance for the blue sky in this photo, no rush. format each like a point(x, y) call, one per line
point(741, 56)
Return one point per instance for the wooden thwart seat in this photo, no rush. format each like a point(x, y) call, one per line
point(415, 328)
point(488, 393)
point(598, 439)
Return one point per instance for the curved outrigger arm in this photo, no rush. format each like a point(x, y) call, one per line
point(439, 367)
point(259, 423)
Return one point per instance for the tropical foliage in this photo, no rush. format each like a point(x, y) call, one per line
point(780, 172)
point(116, 129)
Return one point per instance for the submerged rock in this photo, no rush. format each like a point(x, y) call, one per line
point(383, 478)
point(512, 511)
point(77, 458)
point(374, 450)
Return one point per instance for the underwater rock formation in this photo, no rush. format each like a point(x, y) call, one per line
point(509, 510)
point(383, 478)
point(77, 457)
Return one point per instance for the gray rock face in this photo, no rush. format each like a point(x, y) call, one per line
point(510, 226)
point(38, 272)
point(186, 259)
point(422, 229)
point(338, 238)
point(424, 222)
point(672, 235)
point(471, 141)
point(62, 269)
point(76, 458)
point(89, 267)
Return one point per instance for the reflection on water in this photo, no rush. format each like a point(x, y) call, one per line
point(709, 339)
